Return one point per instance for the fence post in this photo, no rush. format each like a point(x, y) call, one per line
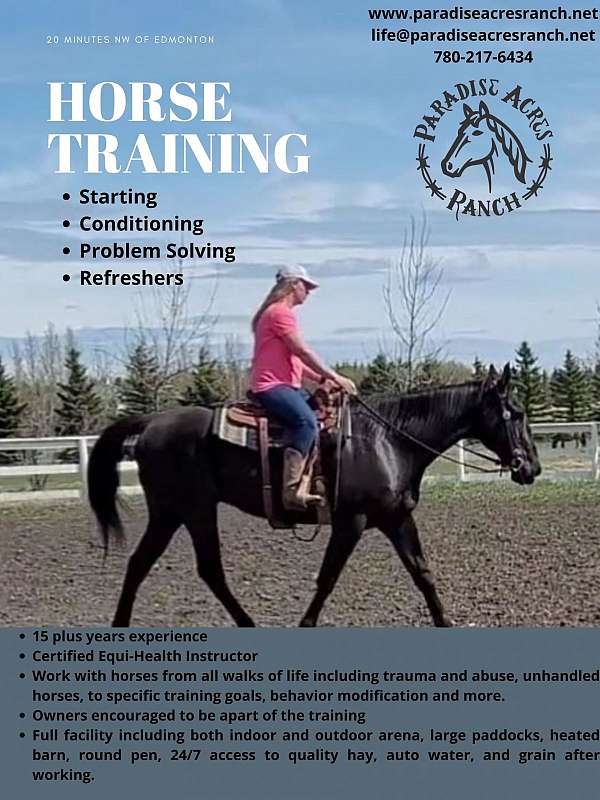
point(83, 465)
point(462, 475)
point(595, 452)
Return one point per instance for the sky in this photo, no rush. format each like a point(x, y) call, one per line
point(308, 68)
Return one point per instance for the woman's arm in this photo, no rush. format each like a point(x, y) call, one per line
point(311, 374)
point(312, 360)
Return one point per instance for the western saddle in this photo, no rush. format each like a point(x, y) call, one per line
point(246, 424)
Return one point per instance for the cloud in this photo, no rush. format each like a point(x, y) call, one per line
point(583, 130)
point(310, 198)
point(19, 178)
point(466, 266)
point(268, 120)
point(360, 329)
point(370, 113)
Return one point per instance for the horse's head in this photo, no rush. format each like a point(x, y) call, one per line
point(502, 426)
point(474, 142)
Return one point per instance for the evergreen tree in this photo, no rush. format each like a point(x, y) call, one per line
point(528, 382)
point(383, 377)
point(351, 369)
point(596, 373)
point(208, 383)
point(596, 390)
point(428, 373)
point(138, 390)
point(571, 391)
point(432, 372)
point(79, 410)
point(548, 415)
point(11, 411)
point(479, 372)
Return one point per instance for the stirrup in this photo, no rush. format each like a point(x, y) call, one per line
point(301, 502)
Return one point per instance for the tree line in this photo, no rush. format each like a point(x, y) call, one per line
point(569, 393)
point(52, 392)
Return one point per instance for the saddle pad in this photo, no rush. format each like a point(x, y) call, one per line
point(239, 434)
point(247, 436)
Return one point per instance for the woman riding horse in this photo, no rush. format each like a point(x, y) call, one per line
point(281, 360)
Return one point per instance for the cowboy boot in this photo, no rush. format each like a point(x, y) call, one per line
point(296, 495)
point(308, 488)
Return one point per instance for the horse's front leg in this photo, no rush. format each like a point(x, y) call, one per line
point(346, 530)
point(404, 536)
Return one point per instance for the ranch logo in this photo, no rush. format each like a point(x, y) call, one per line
point(480, 135)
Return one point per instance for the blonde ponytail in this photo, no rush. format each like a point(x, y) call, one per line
point(282, 288)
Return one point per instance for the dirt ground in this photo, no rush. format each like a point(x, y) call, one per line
point(501, 555)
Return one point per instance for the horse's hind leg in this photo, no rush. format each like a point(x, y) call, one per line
point(204, 531)
point(152, 545)
point(405, 539)
point(345, 534)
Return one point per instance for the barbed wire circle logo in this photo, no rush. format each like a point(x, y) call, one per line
point(476, 132)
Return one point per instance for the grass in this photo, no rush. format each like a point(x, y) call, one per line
point(541, 493)
point(23, 483)
point(561, 463)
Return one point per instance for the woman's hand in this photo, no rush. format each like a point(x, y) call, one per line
point(345, 384)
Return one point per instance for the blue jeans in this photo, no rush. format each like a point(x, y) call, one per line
point(289, 407)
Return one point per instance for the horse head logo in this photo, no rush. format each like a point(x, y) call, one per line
point(476, 142)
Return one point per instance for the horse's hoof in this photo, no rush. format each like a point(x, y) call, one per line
point(446, 622)
point(307, 623)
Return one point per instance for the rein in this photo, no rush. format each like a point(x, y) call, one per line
point(399, 432)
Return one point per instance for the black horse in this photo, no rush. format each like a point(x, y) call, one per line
point(186, 471)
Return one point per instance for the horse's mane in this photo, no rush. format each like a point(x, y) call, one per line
point(512, 147)
point(420, 412)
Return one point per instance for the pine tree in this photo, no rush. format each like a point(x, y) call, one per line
point(571, 391)
point(80, 407)
point(208, 383)
point(351, 369)
point(11, 411)
point(596, 373)
point(427, 374)
point(596, 390)
point(383, 376)
point(529, 383)
point(138, 391)
point(478, 369)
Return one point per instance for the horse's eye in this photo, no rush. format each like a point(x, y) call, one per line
point(477, 133)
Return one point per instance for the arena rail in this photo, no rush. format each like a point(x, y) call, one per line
point(56, 444)
point(83, 444)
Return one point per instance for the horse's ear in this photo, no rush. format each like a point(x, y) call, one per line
point(468, 111)
point(504, 382)
point(483, 109)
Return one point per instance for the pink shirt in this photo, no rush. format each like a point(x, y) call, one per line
point(273, 364)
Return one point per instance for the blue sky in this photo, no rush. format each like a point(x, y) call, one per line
point(310, 68)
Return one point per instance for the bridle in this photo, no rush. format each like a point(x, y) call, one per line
point(517, 453)
point(518, 456)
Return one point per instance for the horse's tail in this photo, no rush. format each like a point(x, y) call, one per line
point(103, 475)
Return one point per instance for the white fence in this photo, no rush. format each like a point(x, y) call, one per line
point(32, 448)
point(550, 467)
point(55, 445)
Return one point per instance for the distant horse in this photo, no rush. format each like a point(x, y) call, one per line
point(476, 142)
point(185, 471)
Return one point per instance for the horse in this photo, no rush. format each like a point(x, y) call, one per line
point(478, 135)
point(186, 471)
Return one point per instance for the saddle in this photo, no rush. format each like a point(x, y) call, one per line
point(246, 424)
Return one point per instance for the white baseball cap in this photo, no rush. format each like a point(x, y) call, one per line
point(298, 272)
